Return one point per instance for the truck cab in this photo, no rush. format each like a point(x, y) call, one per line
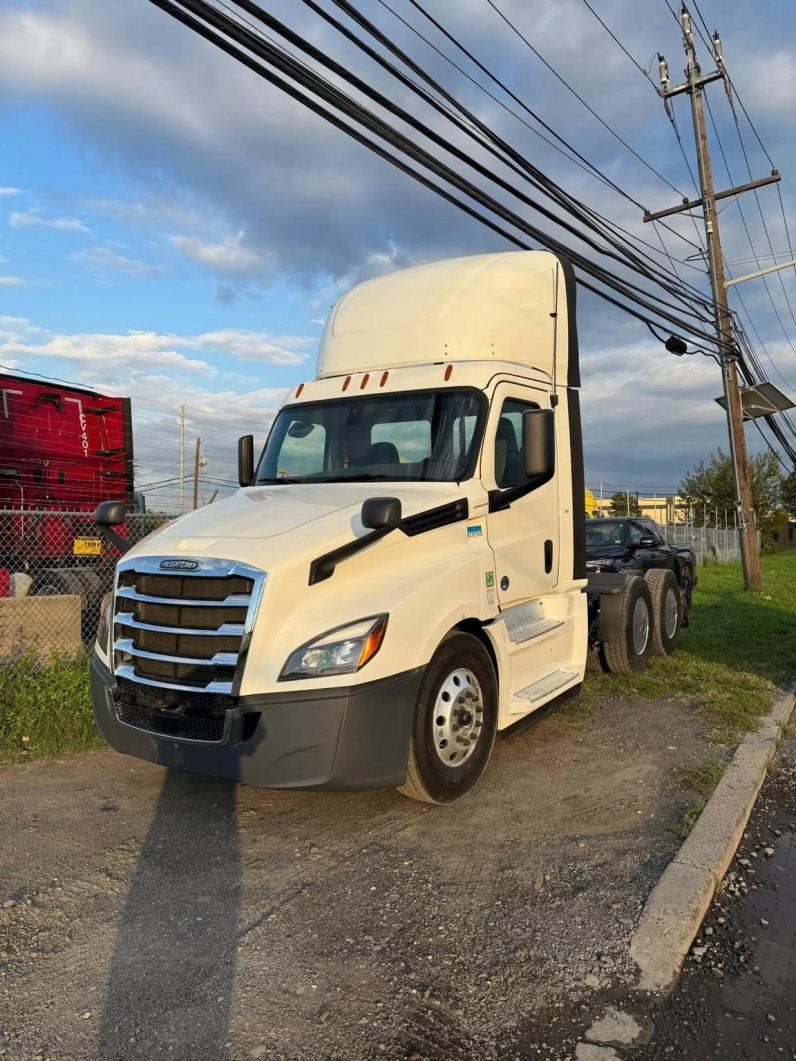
point(401, 574)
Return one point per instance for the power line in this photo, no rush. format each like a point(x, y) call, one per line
point(590, 167)
point(529, 172)
point(577, 96)
point(747, 231)
point(232, 38)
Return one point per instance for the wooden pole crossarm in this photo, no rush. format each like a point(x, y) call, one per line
point(689, 204)
point(703, 79)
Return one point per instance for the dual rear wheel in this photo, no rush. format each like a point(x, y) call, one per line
point(650, 624)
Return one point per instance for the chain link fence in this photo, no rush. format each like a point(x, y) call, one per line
point(719, 545)
point(54, 571)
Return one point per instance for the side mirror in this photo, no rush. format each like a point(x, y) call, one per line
point(381, 513)
point(110, 513)
point(538, 443)
point(647, 542)
point(246, 460)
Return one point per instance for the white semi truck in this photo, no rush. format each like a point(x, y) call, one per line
point(402, 574)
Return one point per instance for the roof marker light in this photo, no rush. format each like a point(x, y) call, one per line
point(346, 381)
point(384, 377)
point(364, 382)
point(299, 389)
point(448, 372)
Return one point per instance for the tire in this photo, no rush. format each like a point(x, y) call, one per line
point(630, 652)
point(667, 611)
point(459, 689)
point(52, 584)
point(60, 583)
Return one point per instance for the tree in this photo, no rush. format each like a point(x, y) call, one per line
point(708, 490)
point(789, 495)
point(624, 504)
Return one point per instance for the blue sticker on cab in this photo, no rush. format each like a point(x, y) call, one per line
point(474, 532)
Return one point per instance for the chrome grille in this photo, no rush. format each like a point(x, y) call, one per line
point(184, 630)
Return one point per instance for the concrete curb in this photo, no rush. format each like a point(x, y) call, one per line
point(677, 904)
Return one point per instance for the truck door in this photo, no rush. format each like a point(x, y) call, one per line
point(524, 536)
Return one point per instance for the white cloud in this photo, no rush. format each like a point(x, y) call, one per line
point(149, 212)
point(232, 256)
point(103, 259)
point(11, 281)
point(10, 191)
point(22, 219)
point(142, 348)
point(256, 346)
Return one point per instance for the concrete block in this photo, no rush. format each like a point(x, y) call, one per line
point(41, 625)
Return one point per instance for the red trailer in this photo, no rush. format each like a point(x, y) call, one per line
point(63, 449)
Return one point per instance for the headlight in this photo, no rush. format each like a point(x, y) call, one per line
point(341, 651)
point(105, 625)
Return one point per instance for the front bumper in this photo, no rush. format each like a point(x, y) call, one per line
point(344, 738)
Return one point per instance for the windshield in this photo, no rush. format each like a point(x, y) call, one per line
point(421, 436)
point(609, 532)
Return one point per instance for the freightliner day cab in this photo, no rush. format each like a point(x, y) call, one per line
point(402, 574)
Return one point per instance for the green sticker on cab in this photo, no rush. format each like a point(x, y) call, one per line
point(490, 579)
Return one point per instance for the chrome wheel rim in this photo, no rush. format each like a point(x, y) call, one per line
point(458, 719)
point(641, 626)
point(671, 613)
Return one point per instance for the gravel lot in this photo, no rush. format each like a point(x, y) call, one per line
point(152, 915)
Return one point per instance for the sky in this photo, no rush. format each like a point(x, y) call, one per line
point(175, 229)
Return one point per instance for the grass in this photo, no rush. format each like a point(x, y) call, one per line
point(700, 779)
point(737, 651)
point(45, 710)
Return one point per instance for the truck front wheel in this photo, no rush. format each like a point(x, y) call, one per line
point(455, 721)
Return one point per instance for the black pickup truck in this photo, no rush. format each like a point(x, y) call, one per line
point(635, 545)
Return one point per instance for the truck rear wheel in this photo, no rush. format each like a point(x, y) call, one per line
point(667, 611)
point(630, 652)
point(455, 722)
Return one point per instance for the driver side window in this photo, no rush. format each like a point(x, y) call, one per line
point(508, 443)
point(636, 533)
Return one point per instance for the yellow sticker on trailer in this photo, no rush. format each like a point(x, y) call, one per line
point(87, 547)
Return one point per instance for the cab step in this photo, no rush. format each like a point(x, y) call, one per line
point(545, 686)
point(534, 629)
point(527, 621)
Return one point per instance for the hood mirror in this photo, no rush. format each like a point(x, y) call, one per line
point(110, 513)
point(381, 513)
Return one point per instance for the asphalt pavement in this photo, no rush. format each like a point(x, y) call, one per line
point(736, 999)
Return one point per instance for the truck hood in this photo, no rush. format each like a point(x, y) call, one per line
point(321, 511)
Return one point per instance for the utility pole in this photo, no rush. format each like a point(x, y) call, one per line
point(196, 455)
point(182, 459)
point(694, 87)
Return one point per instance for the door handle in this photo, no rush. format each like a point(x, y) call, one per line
point(548, 556)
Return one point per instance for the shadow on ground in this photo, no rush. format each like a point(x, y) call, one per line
point(172, 973)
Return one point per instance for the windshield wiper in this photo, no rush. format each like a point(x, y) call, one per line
point(360, 477)
point(276, 482)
